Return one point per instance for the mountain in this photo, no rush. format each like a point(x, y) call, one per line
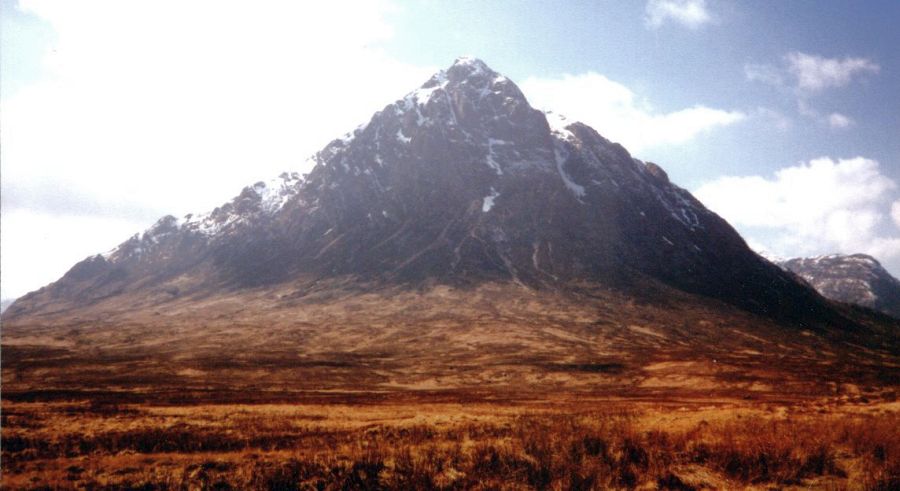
point(857, 279)
point(460, 182)
point(461, 240)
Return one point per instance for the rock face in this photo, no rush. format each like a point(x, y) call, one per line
point(858, 279)
point(460, 182)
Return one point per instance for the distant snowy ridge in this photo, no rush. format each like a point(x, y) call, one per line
point(857, 278)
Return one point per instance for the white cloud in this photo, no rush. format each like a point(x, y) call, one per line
point(38, 247)
point(895, 213)
point(839, 121)
point(811, 73)
point(689, 13)
point(149, 101)
point(806, 75)
point(835, 120)
point(814, 73)
point(618, 114)
point(178, 105)
point(818, 207)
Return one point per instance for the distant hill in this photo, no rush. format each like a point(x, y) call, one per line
point(858, 279)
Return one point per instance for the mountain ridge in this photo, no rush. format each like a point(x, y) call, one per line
point(460, 181)
point(857, 279)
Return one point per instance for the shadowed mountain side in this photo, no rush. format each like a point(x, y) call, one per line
point(499, 338)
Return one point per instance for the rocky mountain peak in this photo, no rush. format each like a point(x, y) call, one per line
point(461, 181)
point(467, 67)
point(468, 102)
point(855, 278)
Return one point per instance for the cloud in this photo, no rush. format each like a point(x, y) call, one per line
point(689, 13)
point(821, 206)
point(617, 113)
point(809, 74)
point(815, 73)
point(54, 196)
point(766, 74)
point(895, 213)
point(835, 120)
point(182, 106)
point(806, 75)
point(40, 247)
point(839, 121)
point(172, 107)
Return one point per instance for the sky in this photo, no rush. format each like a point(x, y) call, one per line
point(783, 117)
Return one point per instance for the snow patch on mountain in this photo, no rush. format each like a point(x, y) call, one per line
point(559, 125)
point(488, 201)
point(403, 138)
point(561, 155)
point(491, 158)
point(272, 195)
point(423, 94)
point(276, 192)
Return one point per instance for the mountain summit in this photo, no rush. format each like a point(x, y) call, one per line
point(857, 278)
point(460, 182)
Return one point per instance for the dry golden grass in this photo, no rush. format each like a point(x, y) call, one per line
point(493, 388)
point(551, 444)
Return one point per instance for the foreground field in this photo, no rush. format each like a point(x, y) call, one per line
point(493, 387)
point(404, 443)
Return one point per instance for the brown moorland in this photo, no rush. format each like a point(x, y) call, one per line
point(494, 387)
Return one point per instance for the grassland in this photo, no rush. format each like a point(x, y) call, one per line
point(404, 443)
point(497, 388)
